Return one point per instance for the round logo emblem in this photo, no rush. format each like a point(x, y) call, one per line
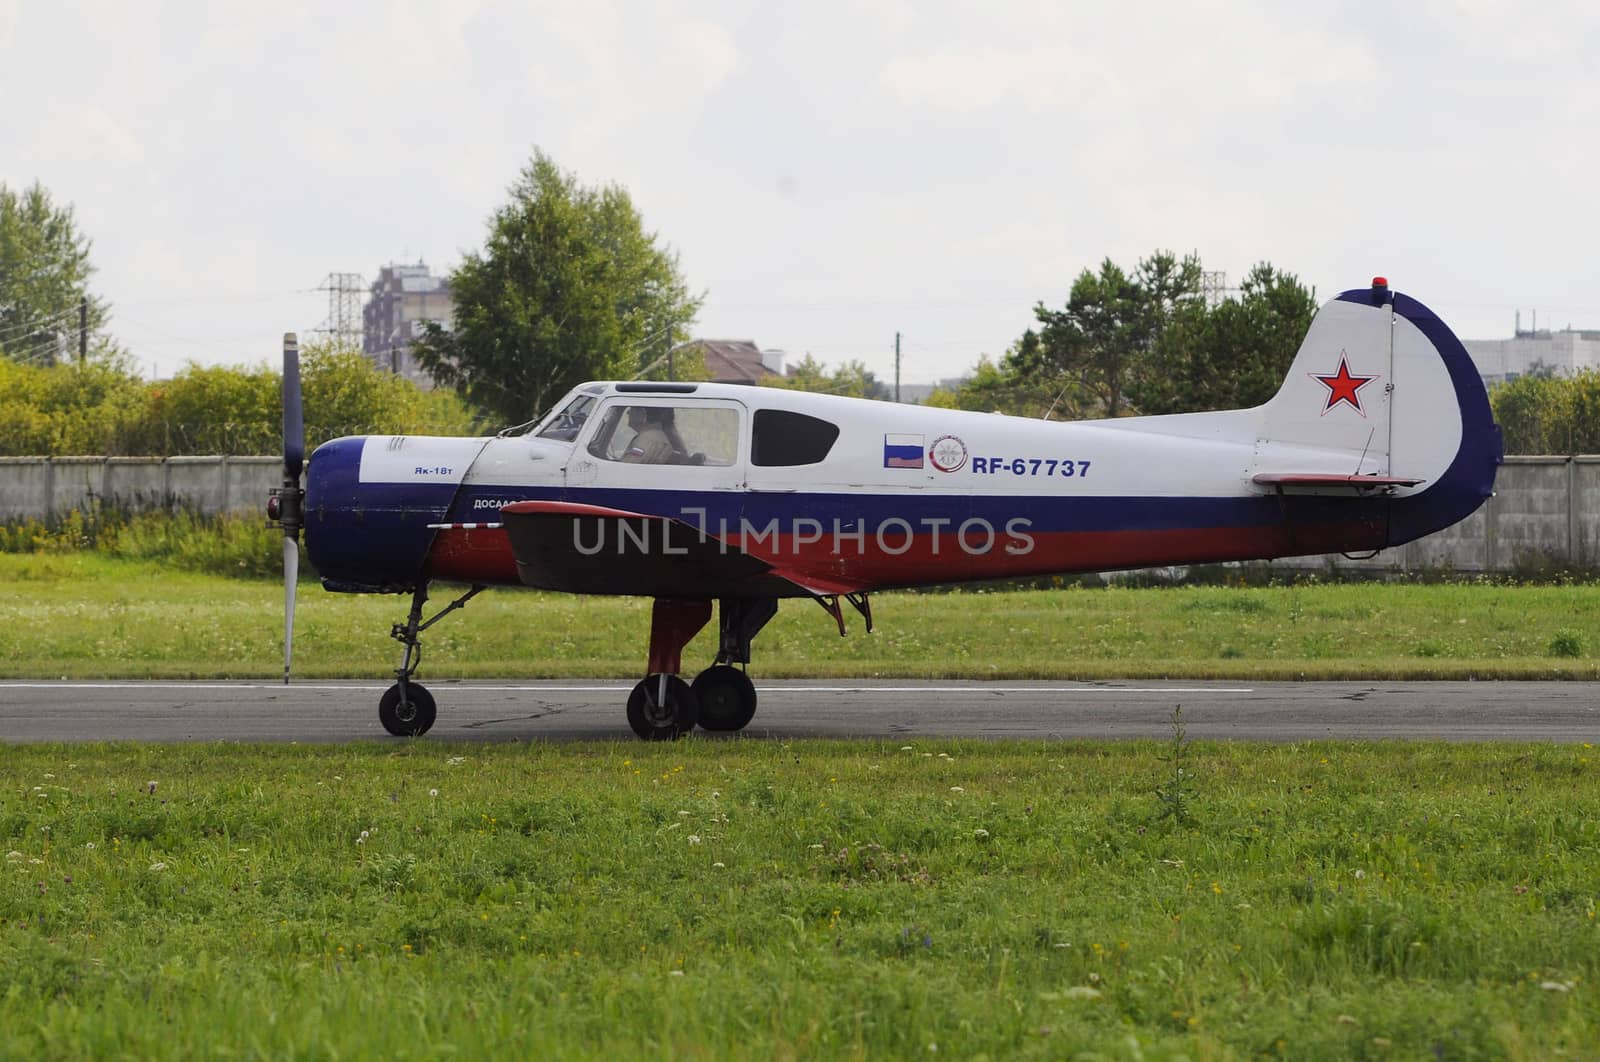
point(948, 453)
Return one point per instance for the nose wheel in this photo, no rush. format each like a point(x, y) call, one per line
point(407, 710)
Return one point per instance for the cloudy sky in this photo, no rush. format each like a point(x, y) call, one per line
point(829, 173)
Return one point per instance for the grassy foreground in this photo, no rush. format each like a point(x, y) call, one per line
point(87, 615)
point(756, 899)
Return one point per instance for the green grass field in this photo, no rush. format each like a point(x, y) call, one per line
point(757, 899)
point(87, 615)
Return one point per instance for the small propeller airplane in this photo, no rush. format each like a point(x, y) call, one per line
point(694, 493)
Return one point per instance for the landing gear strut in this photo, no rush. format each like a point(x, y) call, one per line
point(722, 697)
point(407, 709)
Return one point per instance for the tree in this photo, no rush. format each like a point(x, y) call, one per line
point(1230, 356)
point(852, 379)
point(569, 287)
point(233, 410)
point(1015, 386)
point(44, 277)
point(1104, 340)
point(1549, 414)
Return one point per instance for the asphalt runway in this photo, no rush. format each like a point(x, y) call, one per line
point(584, 710)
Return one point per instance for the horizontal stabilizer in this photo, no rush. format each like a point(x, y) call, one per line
point(1324, 483)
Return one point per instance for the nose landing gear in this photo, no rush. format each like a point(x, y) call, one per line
point(407, 709)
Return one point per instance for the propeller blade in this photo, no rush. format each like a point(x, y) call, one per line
point(291, 578)
point(289, 500)
point(294, 428)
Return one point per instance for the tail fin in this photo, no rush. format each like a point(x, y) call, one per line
point(1382, 395)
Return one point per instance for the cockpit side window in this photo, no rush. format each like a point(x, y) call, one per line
point(661, 434)
point(782, 438)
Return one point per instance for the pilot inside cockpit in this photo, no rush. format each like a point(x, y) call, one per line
point(653, 436)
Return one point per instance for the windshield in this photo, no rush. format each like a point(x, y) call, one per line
point(564, 425)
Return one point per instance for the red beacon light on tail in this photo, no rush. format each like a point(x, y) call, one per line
point(1380, 291)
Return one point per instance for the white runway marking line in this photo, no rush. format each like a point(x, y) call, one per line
point(765, 690)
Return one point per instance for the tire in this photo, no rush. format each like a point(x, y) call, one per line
point(727, 698)
point(662, 721)
point(412, 719)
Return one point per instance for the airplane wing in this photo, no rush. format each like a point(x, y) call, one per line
point(592, 549)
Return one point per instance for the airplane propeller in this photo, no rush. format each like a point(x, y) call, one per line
point(286, 504)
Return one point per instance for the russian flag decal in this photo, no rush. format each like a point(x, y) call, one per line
point(902, 451)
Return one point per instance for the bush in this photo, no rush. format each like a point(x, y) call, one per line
point(235, 544)
point(1549, 414)
point(103, 408)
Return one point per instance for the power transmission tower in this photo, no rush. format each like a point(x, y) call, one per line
point(345, 293)
point(1214, 286)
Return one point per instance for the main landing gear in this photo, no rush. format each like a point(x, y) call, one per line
point(662, 706)
point(722, 697)
point(407, 709)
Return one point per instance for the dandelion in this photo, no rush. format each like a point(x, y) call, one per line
point(89, 846)
point(364, 835)
point(693, 838)
point(981, 834)
point(150, 786)
point(720, 866)
point(1360, 874)
point(362, 839)
point(433, 792)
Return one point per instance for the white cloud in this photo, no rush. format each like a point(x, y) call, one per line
point(831, 173)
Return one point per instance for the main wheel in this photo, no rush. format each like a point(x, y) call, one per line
point(727, 698)
point(657, 718)
point(410, 716)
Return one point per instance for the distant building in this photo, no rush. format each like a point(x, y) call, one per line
point(402, 298)
point(1542, 351)
point(735, 360)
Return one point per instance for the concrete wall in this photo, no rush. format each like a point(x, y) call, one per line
point(1545, 512)
point(43, 488)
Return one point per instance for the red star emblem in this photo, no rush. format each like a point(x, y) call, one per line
point(1343, 386)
